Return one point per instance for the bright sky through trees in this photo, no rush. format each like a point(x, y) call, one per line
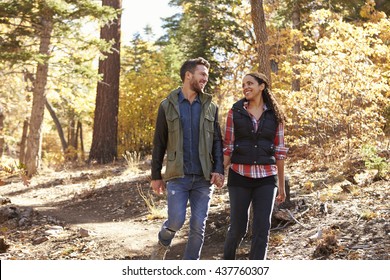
point(138, 14)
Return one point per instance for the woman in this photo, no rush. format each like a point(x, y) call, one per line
point(255, 152)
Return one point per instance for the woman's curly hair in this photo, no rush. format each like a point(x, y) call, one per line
point(268, 97)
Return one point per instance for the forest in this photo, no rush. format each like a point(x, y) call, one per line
point(78, 108)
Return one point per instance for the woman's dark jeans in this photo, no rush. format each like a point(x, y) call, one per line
point(262, 198)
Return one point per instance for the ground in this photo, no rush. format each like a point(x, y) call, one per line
point(102, 212)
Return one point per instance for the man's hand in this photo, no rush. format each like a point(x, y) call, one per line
point(217, 179)
point(158, 186)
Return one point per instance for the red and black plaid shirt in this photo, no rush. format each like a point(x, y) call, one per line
point(248, 170)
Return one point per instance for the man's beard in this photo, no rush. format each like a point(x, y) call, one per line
point(195, 86)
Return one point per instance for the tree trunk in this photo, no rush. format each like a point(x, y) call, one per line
point(80, 132)
point(22, 152)
point(58, 126)
point(72, 134)
point(258, 19)
point(105, 129)
point(296, 21)
point(2, 117)
point(71, 153)
point(34, 140)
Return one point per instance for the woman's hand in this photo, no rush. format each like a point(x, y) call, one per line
point(281, 197)
point(217, 179)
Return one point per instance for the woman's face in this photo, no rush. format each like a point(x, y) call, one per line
point(251, 88)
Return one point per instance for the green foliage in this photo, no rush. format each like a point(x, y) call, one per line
point(373, 161)
point(207, 29)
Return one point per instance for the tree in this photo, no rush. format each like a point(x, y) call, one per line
point(105, 129)
point(44, 21)
point(208, 29)
point(262, 47)
point(296, 25)
point(2, 117)
point(34, 139)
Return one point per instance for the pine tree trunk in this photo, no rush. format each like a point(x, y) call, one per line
point(296, 20)
point(258, 19)
point(71, 153)
point(22, 152)
point(80, 132)
point(58, 126)
point(34, 139)
point(105, 129)
point(2, 117)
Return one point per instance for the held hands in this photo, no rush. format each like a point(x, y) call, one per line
point(217, 179)
point(158, 186)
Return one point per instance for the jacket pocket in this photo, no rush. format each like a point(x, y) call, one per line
point(209, 123)
point(173, 122)
point(171, 156)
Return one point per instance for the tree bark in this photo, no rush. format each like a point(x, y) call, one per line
point(22, 152)
point(60, 131)
point(105, 129)
point(71, 153)
point(258, 19)
point(296, 21)
point(34, 139)
point(2, 117)
point(80, 132)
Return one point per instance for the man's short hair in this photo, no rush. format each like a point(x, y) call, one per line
point(191, 64)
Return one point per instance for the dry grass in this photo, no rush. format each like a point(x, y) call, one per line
point(154, 211)
point(133, 160)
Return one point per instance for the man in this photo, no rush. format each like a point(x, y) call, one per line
point(188, 131)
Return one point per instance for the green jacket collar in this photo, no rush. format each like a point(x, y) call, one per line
point(173, 97)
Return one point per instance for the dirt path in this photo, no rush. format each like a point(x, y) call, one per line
point(97, 212)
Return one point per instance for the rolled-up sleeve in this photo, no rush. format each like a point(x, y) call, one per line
point(280, 148)
point(228, 142)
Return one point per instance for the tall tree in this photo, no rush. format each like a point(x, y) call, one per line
point(296, 25)
point(208, 29)
point(28, 22)
point(1, 130)
point(34, 139)
point(105, 128)
point(262, 47)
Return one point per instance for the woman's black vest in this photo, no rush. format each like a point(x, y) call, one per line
point(250, 146)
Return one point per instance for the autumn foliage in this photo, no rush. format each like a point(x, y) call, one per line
point(343, 69)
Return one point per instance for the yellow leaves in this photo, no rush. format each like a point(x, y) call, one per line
point(321, 16)
point(145, 81)
point(308, 186)
point(10, 169)
point(368, 11)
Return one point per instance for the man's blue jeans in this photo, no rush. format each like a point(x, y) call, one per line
point(198, 191)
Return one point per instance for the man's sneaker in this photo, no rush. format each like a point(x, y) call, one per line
point(159, 252)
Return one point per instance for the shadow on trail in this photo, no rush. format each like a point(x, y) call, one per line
point(116, 202)
point(83, 176)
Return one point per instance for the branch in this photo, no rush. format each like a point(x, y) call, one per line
point(289, 212)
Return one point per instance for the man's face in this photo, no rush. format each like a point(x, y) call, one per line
point(199, 79)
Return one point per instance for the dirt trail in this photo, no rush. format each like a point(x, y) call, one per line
point(97, 212)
